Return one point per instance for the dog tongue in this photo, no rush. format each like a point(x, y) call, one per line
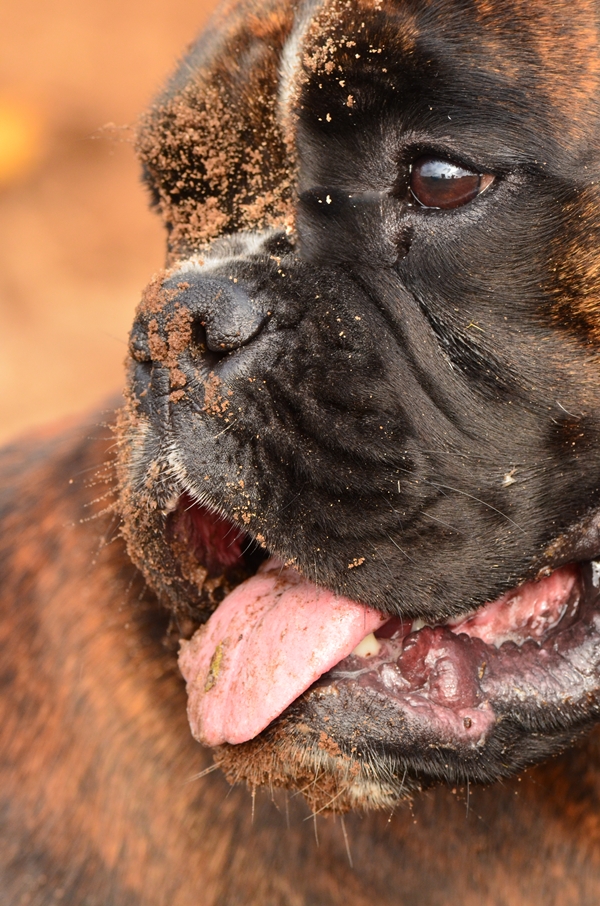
point(267, 642)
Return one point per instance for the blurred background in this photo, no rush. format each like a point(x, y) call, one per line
point(77, 242)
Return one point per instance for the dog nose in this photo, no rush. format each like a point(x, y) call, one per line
point(223, 309)
point(211, 313)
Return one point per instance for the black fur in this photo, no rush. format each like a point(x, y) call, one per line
point(381, 368)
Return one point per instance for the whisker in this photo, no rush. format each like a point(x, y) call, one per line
point(225, 429)
point(402, 781)
point(346, 841)
point(447, 487)
point(382, 560)
point(400, 549)
point(482, 502)
point(327, 804)
point(290, 502)
point(201, 774)
point(441, 521)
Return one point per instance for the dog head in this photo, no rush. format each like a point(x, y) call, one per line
point(364, 396)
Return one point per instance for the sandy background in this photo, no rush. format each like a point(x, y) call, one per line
point(77, 242)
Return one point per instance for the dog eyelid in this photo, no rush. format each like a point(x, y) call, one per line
point(443, 184)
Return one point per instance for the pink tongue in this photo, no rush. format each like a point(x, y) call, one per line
point(269, 640)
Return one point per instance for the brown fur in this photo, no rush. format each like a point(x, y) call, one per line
point(105, 798)
point(99, 802)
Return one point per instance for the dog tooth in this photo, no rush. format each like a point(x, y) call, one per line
point(368, 647)
point(418, 624)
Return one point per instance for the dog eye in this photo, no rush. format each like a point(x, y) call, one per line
point(437, 183)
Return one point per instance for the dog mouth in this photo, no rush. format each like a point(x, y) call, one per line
point(278, 640)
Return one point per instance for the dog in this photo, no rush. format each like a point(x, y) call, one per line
point(348, 516)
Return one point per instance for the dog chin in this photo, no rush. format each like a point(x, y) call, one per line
point(295, 685)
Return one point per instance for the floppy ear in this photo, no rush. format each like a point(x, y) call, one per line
point(212, 149)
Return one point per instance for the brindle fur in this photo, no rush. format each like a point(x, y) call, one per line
point(100, 801)
point(102, 804)
point(352, 378)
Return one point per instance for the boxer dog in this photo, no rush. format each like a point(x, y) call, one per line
point(353, 496)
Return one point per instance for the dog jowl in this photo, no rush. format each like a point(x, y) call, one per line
point(359, 452)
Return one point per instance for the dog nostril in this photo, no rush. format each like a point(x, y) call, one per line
point(199, 345)
point(225, 315)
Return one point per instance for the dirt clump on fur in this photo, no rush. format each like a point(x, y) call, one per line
point(212, 148)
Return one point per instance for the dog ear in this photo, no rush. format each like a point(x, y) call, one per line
point(212, 149)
